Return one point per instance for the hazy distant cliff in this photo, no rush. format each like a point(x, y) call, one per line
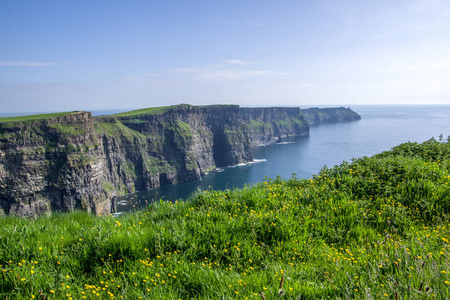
point(68, 161)
point(329, 115)
point(267, 124)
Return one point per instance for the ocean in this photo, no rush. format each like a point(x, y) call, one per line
point(380, 129)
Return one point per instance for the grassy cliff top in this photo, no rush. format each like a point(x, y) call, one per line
point(34, 117)
point(149, 111)
point(163, 109)
point(144, 111)
point(375, 228)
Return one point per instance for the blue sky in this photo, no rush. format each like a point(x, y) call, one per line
point(91, 55)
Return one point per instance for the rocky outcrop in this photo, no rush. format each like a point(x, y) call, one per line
point(317, 115)
point(269, 124)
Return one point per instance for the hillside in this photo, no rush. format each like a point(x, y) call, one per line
point(369, 229)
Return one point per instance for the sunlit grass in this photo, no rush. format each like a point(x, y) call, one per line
point(144, 111)
point(33, 117)
point(373, 228)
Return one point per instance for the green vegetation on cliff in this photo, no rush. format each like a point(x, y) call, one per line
point(267, 125)
point(116, 129)
point(68, 130)
point(180, 130)
point(373, 228)
point(33, 117)
point(257, 124)
point(329, 115)
point(145, 111)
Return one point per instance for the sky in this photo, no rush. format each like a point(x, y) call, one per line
point(109, 54)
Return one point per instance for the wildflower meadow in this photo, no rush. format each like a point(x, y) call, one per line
point(371, 228)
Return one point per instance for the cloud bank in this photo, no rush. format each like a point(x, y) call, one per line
point(25, 64)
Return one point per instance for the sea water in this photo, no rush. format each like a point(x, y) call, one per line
point(380, 129)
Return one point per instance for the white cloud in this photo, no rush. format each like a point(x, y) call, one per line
point(435, 8)
point(186, 70)
point(237, 62)
point(25, 63)
point(231, 71)
point(232, 75)
point(151, 75)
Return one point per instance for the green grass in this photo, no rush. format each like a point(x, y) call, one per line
point(145, 111)
point(258, 124)
point(117, 130)
point(33, 117)
point(289, 122)
point(68, 130)
point(107, 186)
point(157, 166)
point(374, 228)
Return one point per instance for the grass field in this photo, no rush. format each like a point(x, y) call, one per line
point(33, 117)
point(373, 228)
point(144, 111)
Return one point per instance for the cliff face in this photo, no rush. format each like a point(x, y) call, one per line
point(268, 124)
point(52, 164)
point(76, 161)
point(178, 145)
point(329, 115)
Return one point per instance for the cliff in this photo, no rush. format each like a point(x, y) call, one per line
point(269, 124)
point(329, 115)
point(51, 164)
point(71, 161)
point(146, 149)
point(74, 161)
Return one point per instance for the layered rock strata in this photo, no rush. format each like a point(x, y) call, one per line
point(53, 164)
point(267, 125)
point(71, 161)
point(315, 115)
point(76, 161)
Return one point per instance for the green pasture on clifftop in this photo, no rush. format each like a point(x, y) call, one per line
point(33, 117)
point(373, 228)
point(145, 111)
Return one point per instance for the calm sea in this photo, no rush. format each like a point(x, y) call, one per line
point(380, 129)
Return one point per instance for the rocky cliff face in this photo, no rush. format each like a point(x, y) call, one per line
point(329, 115)
point(144, 151)
point(76, 161)
point(72, 161)
point(51, 165)
point(269, 124)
